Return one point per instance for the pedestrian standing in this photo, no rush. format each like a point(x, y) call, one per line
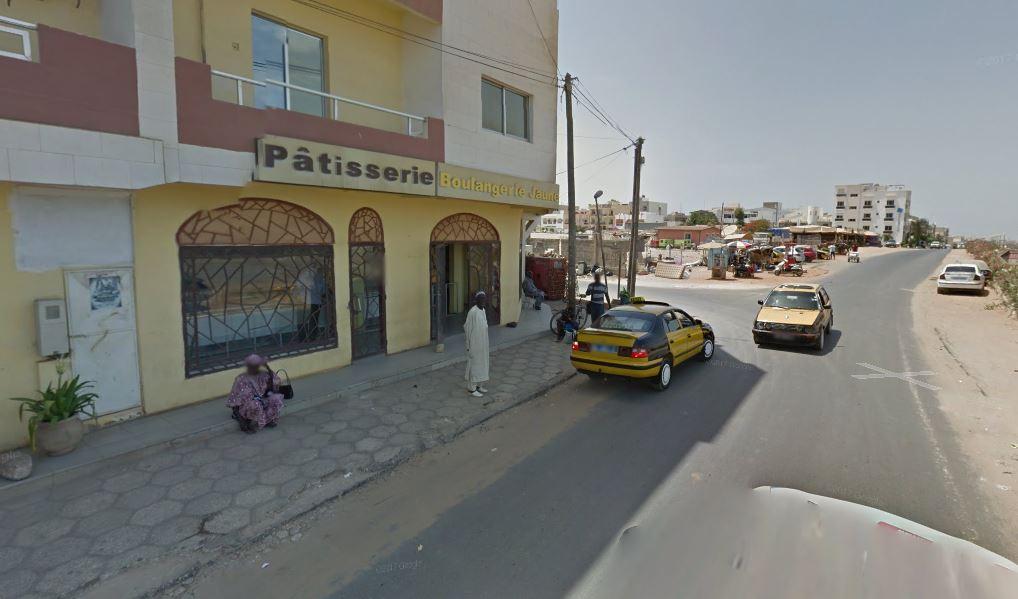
point(599, 300)
point(476, 330)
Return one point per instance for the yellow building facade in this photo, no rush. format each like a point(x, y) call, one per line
point(263, 176)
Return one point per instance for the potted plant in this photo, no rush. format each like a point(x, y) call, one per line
point(54, 422)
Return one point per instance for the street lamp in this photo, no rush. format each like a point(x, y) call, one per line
point(600, 232)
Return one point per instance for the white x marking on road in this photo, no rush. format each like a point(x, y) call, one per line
point(904, 376)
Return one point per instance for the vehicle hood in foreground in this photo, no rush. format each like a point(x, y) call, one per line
point(782, 543)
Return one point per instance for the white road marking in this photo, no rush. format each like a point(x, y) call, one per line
point(904, 376)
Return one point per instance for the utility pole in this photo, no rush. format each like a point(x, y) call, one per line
point(635, 235)
point(571, 177)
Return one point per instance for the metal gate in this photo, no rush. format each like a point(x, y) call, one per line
point(367, 299)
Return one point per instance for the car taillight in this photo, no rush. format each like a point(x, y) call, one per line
point(943, 277)
point(977, 278)
point(581, 346)
point(633, 352)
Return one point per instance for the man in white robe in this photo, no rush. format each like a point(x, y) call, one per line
point(476, 329)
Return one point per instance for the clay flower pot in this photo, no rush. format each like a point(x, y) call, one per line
point(58, 438)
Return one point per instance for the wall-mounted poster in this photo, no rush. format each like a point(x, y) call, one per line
point(105, 292)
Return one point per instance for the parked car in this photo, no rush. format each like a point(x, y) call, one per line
point(808, 251)
point(963, 277)
point(890, 243)
point(780, 251)
point(934, 245)
point(984, 269)
point(800, 314)
point(642, 340)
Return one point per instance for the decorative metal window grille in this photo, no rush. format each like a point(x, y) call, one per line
point(464, 227)
point(366, 227)
point(271, 300)
point(256, 277)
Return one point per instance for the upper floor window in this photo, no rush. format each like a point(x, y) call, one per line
point(291, 57)
point(504, 111)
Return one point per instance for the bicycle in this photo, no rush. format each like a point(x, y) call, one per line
point(581, 316)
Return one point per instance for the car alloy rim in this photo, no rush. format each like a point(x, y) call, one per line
point(666, 374)
point(708, 348)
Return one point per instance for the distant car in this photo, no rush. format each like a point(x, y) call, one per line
point(935, 245)
point(781, 251)
point(793, 313)
point(890, 244)
point(641, 340)
point(808, 251)
point(960, 277)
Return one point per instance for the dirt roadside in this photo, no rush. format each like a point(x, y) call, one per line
point(974, 352)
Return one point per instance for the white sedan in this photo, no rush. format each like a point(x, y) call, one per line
point(960, 277)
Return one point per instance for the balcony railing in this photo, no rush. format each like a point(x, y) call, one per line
point(333, 100)
point(21, 30)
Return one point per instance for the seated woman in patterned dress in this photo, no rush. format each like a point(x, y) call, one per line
point(254, 398)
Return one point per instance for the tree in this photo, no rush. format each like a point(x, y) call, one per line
point(701, 217)
point(757, 226)
point(740, 216)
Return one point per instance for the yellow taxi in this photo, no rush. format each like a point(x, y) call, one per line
point(794, 313)
point(642, 340)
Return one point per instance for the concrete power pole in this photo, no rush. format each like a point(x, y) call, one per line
point(635, 235)
point(571, 273)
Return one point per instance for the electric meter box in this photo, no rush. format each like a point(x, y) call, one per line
point(51, 327)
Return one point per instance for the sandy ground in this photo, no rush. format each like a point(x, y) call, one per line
point(700, 277)
point(974, 352)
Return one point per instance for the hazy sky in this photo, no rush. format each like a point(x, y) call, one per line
point(780, 100)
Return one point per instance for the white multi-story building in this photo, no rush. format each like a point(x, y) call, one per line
point(726, 214)
point(882, 209)
point(803, 215)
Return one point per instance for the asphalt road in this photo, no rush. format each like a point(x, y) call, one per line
point(563, 476)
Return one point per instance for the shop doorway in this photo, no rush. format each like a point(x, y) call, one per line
point(367, 284)
point(465, 254)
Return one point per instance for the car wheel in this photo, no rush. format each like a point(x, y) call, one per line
point(707, 351)
point(820, 340)
point(940, 291)
point(830, 324)
point(664, 375)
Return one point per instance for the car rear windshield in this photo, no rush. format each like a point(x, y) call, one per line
point(798, 300)
point(962, 268)
point(626, 321)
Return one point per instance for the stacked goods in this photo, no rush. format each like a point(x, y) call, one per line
point(549, 275)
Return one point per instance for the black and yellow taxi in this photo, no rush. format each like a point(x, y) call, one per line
point(800, 314)
point(642, 340)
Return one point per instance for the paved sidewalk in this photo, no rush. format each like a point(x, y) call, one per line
point(197, 496)
point(208, 418)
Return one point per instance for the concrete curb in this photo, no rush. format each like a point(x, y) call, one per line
point(192, 554)
point(35, 483)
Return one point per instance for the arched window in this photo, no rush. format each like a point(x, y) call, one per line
point(256, 277)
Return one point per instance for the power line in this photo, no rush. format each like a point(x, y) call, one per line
point(584, 92)
point(596, 159)
point(430, 43)
point(606, 167)
point(544, 39)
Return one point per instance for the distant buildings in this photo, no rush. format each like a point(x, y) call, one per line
point(726, 214)
point(882, 209)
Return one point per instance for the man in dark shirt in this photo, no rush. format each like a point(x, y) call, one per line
point(599, 300)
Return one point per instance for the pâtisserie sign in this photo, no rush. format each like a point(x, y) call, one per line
point(300, 162)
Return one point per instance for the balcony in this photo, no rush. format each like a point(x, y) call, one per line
point(55, 77)
point(215, 109)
